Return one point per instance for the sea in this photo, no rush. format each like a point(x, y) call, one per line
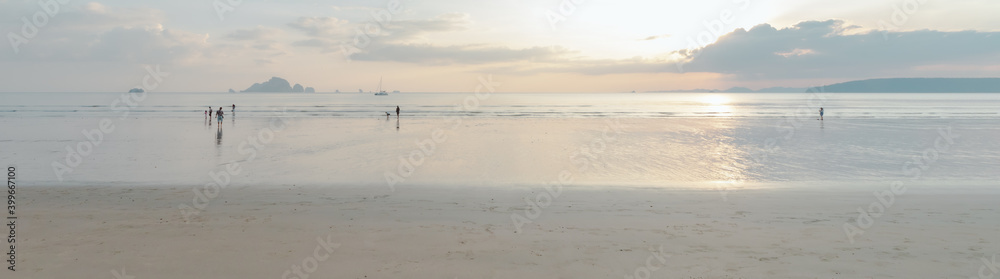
point(738, 140)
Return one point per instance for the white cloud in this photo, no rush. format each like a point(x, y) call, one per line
point(465, 54)
point(821, 49)
point(150, 45)
point(407, 30)
point(96, 32)
point(328, 27)
point(815, 49)
point(255, 34)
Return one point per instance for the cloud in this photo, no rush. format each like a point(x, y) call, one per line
point(353, 8)
point(329, 32)
point(809, 49)
point(404, 30)
point(95, 32)
point(322, 26)
point(813, 49)
point(650, 38)
point(150, 45)
point(404, 40)
point(459, 54)
point(95, 16)
point(325, 45)
point(823, 49)
point(602, 67)
point(254, 34)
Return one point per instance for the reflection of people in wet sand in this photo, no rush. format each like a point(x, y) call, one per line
point(218, 136)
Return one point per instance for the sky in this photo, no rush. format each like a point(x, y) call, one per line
point(527, 46)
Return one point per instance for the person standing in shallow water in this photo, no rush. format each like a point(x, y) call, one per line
point(820, 113)
point(397, 112)
point(218, 115)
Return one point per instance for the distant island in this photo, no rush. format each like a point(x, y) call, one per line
point(915, 85)
point(738, 90)
point(882, 85)
point(277, 84)
point(136, 90)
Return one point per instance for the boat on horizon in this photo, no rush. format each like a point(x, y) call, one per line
point(379, 91)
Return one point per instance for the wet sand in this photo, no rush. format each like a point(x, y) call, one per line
point(470, 232)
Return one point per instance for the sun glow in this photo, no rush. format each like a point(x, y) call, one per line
point(715, 100)
point(718, 105)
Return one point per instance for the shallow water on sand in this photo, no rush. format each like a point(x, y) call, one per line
point(500, 151)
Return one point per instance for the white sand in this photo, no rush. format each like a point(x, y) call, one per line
point(428, 232)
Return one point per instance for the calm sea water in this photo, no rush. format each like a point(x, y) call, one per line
point(516, 105)
point(505, 139)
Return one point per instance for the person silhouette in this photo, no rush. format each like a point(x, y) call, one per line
point(218, 115)
point(397, 112)
point(821, 113)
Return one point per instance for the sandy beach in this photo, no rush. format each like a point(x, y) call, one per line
point(429, 232)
